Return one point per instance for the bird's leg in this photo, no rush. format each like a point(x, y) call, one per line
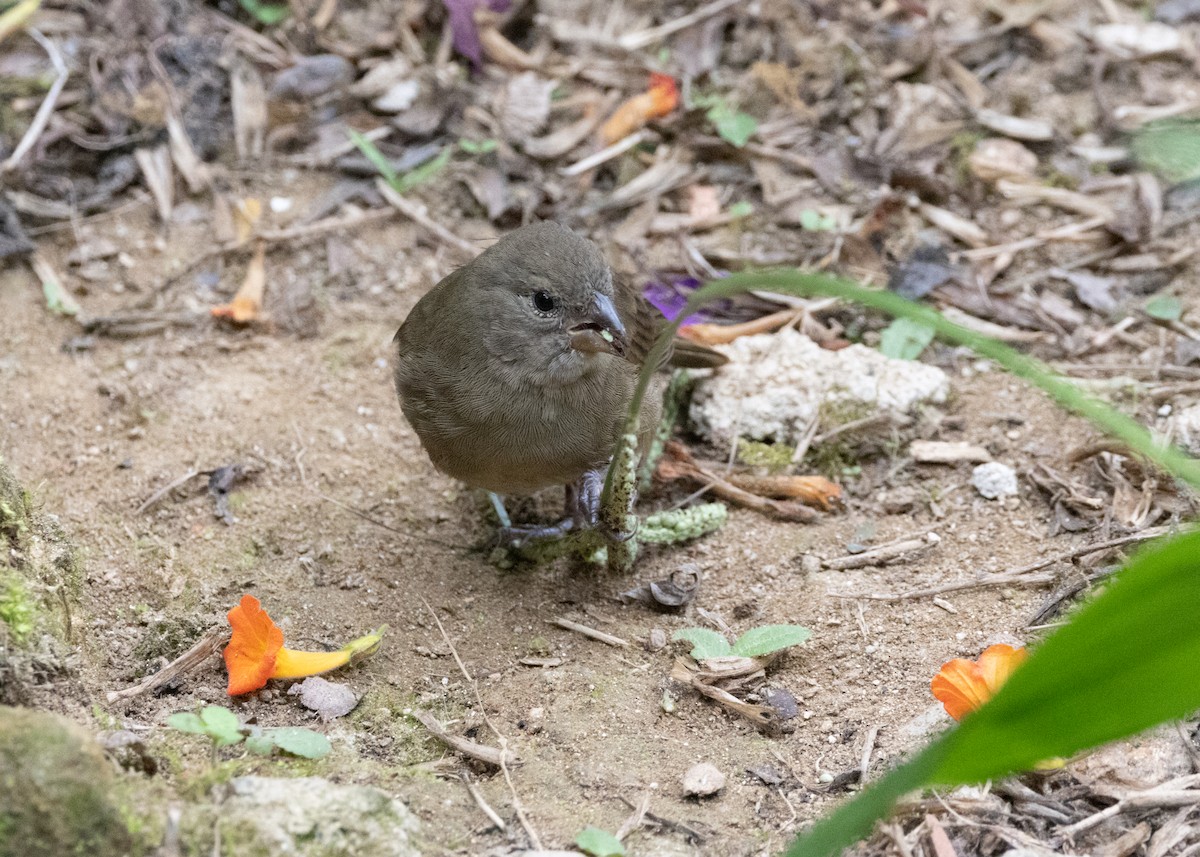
point(519, 537)
point(583, 499)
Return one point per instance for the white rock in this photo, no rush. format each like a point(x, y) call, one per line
point(703, 780)
point(305, 816)
point(994, 480)
point(776, 384)
point(1185, 427)
point(399, 97)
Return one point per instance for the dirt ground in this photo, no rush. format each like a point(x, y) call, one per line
point(95, 432)
point(866, 123)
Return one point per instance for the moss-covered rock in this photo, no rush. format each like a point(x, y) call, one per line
point(303, 816)
point(40, 580)
point(56, 791)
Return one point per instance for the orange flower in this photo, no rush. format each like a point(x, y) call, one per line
point(255, 652)
point(659, 100)
point(962, 685)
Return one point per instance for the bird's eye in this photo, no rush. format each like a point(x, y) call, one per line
point(544, 302)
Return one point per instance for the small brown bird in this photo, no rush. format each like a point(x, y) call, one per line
point(516, 370)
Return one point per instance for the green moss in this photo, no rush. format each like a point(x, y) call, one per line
point(57, 792)
point(17, 609)
point(775, 457)
point(168, 638)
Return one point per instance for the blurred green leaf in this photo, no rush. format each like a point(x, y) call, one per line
point(299, 742)
point(477, 147)
point(1165, 308)
point(378, 160)
point(186, 721)
point(905, 339)
point(732, 125)
point(1137, 643)
point(599, 843)
point(423, 173)
point(815, 221)
point(769, 638)
point(408, 181)
point(740, 209)
point(221, 725)
point(1170, 148)
point(267, 14)
point(705, 643)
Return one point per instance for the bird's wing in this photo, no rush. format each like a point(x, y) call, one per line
point(643, 323)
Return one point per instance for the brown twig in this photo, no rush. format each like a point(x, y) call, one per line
point(882, 554)
point(208, 645)
point(609, 639)
point(417, 213)
point(677, 463)
point(518, 807)
point(42, 117)
point(483, 805)
point(154, 498)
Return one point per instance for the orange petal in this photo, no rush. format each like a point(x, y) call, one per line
point(960, 687)
point(997, 663)
point(252, 651)
point(659, 100)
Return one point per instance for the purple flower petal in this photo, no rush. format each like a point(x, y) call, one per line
point(463, 30)
point(670, 294)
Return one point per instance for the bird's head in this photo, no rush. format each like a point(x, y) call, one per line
point(549, 300)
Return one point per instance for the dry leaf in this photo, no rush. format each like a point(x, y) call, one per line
point(1000, 158)
point(246, 305)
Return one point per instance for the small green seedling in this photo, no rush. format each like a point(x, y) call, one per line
point(1165, 308)
point(267, 14)
point(763, 640)
point(733, 126)
point(224, 730)
point(412, 178)
point(599, 843)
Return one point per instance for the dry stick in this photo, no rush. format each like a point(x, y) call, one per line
point(1172, 793)
point(882, 554)
point(642, 38)
point(214, 638)
point(481, 752)
point(606, 154)
point(477, 796)
point(635, 821)
point(1018, 575)
point(419, 214)
point(42, 117)
point(518, 807)
point(166, 489)
point(868, 748)
point(589, 632)
point(691, 832)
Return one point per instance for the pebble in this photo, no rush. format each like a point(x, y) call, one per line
point(703, 780)
point(994, 480)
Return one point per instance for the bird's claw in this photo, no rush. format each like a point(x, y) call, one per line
point(517, 538)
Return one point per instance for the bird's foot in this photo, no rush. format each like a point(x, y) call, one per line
point(519, 538)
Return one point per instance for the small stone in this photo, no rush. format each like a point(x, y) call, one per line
point(810, 563)
point(656, 640)
point(703, 780)
point(994, 480)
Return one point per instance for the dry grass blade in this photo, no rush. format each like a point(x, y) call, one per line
point(607, 639)
point(465, 746)
point(419, 214)
point(42, 117)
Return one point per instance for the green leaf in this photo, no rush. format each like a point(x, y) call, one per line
point(221, 724)
point(705, 643)
point(378, 160)
point(740, 209)
point(477, 147)
point(815, 221)
point(186, 721)
point(1170, 148)
point(259, 742)
point(599, 843)
point(300, 742)
point(766, 639)
point(1165, 308)
point(1138, 642)
point(423, 173)
point(267, 14)
point(733, 126)
point(905, 339)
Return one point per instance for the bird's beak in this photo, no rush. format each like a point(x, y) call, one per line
point(600, 330)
